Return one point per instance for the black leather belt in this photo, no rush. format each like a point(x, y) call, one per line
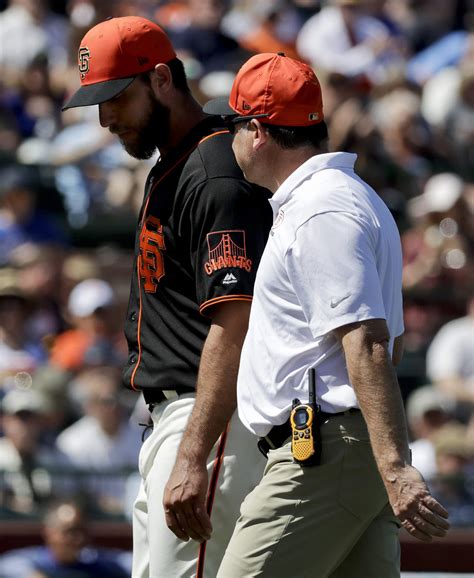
point(278, 435)
point(155, 396)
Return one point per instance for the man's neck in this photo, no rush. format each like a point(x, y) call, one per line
point(184, 117)
point(286, 163)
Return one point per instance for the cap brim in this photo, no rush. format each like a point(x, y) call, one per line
point(220, 106)
point(99, 92)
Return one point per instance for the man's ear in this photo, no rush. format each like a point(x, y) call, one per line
point(161, 80)
point(260, 136)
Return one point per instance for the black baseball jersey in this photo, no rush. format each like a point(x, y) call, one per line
point(201, 232)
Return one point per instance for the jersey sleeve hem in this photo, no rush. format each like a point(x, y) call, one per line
point(216, 300)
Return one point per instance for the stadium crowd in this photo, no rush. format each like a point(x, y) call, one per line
point(398, 84)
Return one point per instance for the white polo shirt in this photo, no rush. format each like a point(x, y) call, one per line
point(333, 257)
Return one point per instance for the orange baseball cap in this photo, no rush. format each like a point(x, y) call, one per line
point(113, 53)
point(279, 90)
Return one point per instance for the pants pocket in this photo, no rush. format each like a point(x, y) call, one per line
point(361, 490)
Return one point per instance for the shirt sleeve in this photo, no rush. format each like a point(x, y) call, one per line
point(332, 264)
point(229, 222)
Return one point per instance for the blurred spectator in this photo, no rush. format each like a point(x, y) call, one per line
point(53, 385)
point(423, 22)
point(67, 552)
point(106, 428)
point(450, 362)
point(172, 14)
point(343, 38)
point(28, 468)
point(38, 270)
point(78, 267)
point(201, 44)
point(10, 137)
point(440, 244)
point(438, 260)
point(86, 159)
point(448, 104)
point(427, 411)
point(29, 28)
point(18, 353)
point(448, 51)
point(95, 339)
point(454, 456)
point(106, 262)
point(406, 136)
point(33, 103)
point(359, 128)
point(266, 27)
point(20, 220)
point(460, 121)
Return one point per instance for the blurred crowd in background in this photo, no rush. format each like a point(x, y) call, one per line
point(398, 88)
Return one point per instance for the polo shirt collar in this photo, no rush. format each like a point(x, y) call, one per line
point(313, 165)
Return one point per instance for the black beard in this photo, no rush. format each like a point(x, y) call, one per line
point(153, 132)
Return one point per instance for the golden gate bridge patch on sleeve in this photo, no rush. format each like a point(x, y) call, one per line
point(227, 249)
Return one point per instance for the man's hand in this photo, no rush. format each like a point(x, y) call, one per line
point(184, 501)
point(420, 514)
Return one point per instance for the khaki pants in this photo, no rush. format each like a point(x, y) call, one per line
point(331, 520)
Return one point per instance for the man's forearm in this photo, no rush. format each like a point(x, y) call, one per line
point(375, 383)
point(216, 397)
point(379, 397)
point(216, 394)
point(184, 498)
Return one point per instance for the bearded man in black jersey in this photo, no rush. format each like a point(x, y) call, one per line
point(200, 235)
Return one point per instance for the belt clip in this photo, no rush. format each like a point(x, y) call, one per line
point(263, 446)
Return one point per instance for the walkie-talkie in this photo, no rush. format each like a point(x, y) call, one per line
point(305, 427)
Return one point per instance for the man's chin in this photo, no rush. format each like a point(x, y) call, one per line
point(136, 151)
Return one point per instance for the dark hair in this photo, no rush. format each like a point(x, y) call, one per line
point(292, 137)
point(177, 74)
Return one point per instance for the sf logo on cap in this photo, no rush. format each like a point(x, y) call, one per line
point(83, 61)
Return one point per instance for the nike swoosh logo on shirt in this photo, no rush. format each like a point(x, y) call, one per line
point(335, 302)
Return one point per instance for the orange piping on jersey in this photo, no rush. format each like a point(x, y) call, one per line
point(211, 494)
point(132, 378)
point(211, 302)
point(213, 134)
point(171, 169)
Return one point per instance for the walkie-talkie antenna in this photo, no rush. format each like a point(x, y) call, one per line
point(312, 386)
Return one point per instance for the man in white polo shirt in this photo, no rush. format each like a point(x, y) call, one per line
point(328, 296)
